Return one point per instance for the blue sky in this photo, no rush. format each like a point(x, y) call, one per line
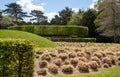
point(50, 7)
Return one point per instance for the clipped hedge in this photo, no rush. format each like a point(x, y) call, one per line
point(16, 58)
point(53, 30)
point(74, 39)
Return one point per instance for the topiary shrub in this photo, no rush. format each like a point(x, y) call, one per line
point(43, 63)
point(63, 56)
point(67, 69)
point(57, 62)
point(83, 67)
point(74, 61)
point(42, 71)
point(93, 65)
point(53, 68)
point(46, 57)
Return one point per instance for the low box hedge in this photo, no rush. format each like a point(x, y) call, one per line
point(74, 39)
point(16, 58)
point(52, 30)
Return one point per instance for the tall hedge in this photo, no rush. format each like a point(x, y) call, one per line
point(53, 30)
point(16, 58)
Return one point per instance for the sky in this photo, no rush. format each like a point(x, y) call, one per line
point(50, 7)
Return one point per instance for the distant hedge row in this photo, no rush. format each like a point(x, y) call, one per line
point(16, 58)
point(74, 39)
point(53, 30)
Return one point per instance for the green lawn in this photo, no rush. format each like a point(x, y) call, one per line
point(111, 72)
point(37, 40)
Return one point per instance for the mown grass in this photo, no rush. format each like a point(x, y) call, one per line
point(35, 39)
point(111, 72)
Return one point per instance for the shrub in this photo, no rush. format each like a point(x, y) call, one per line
point(93, 65)
point(46, 57)
point(72, 54)
point(42, 71)
point(67, 69)
point(57, 62)
point(83, 67)
point(74, 39)
point(53, 68)
point(74, 61)
point(54, 30)
point(63, 56)
point(43, 63)
point(16, 57)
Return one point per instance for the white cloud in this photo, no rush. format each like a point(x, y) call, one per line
point(27, 5)
point(75, 9)
point(50, 15)
point(93, 3)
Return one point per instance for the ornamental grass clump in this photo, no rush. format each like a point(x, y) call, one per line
point(43, 63)
point(46, 57)
point(105, 65)
point(57, 62)
point(82, 59)
point(83, 67)
point(96, 59)
point(93, 65)
point(53, 68)
point(63, 56)
point(67, 69)
point(107, 60)
point(72, 54)
point(81, 54)
point(74, 61)
point(42, 72)
point(66, 62)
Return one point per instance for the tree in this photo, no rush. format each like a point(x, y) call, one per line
point(65, 15)
point(15, 11)
point(108, 20)
point(0, 15)
point(76, 18)
point(56, 20)
point(6, 22)
point(38, 16)
point(88, 20)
